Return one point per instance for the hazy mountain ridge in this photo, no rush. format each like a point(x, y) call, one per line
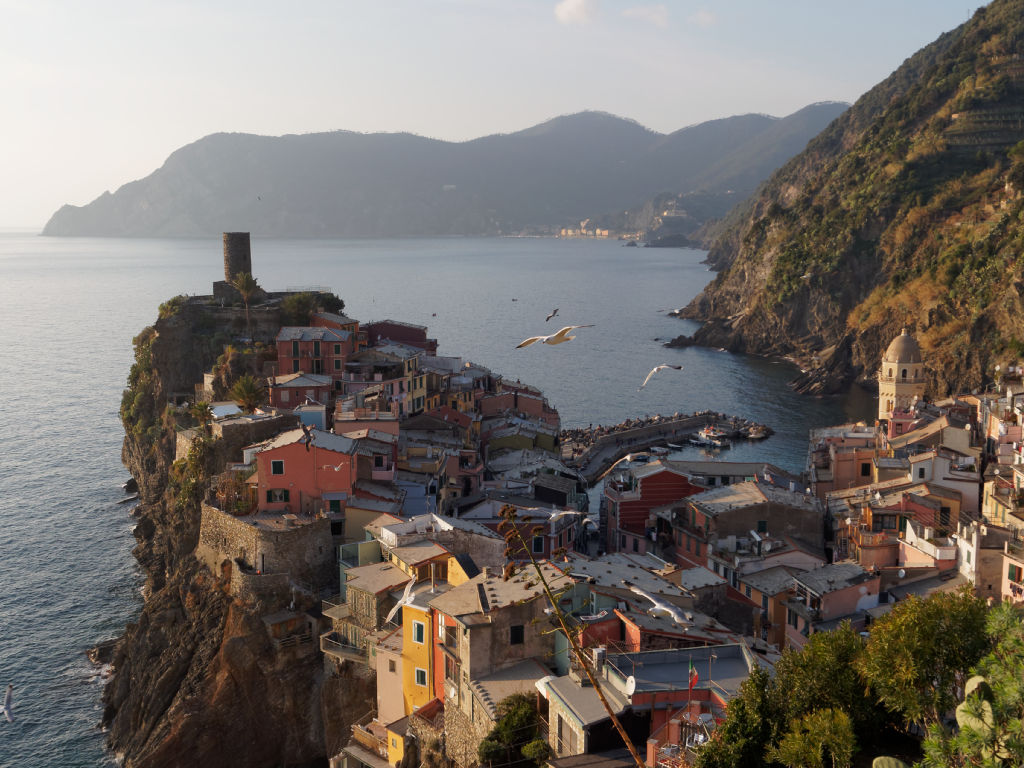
point(346, 184)
point(905, 211)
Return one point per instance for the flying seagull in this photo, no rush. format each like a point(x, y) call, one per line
point(655, 369)
point(553, 313)
point(554, 338)
point(565, 513)
point(661, 606)
point(8, 704)
point(406, 599)
point(307, 435)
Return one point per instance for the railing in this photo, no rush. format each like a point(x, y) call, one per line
point(364, 738)
point(293, 641)
point(344, 650)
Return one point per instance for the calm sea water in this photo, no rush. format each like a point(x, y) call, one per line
point(70, 308)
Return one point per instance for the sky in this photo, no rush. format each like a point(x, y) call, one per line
point(97, 94)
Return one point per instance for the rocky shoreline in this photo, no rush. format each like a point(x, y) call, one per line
point(196, 679)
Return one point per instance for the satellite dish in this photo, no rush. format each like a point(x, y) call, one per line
point(630, 685)
point(901, 573)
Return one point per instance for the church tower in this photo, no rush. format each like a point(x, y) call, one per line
point(901, 378)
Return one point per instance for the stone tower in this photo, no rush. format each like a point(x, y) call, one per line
point(901, 377)
point(237, 255)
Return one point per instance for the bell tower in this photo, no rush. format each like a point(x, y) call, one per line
point(901, 377)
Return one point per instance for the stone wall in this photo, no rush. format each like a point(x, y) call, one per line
point(304, 552)
point(462, 736)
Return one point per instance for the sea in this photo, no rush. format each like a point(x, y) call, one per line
point(71, 306)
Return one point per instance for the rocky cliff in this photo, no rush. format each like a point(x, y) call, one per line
point(906, 211)
point(197, 679)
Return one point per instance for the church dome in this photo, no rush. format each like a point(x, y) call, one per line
point(904, 349)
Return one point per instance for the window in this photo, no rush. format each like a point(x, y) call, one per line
point(622, 543)
point(450, 670)
point(418, 631)
point(391, 665)
point(944, 515)
point(636, 544)
point(337, 349)
point(792, 618)
point(764, 602)
point(277, 467)
point(1015, 573)
point(920, 473)
point(337, 364)
point(421, 677)
point(284, 395)
point(316, 349)
point(762, 526)
point(295, 349)
point(968, 553)
point(696, 547)
point(865, 469)
point(746, 590)
point(295, 365)
point(277, 495)
point(515, 634)
point(538, 544)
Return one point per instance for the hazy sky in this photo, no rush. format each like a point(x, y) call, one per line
point(96, 94)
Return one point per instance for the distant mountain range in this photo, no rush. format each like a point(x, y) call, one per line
point(908, 210)
point(344, 184)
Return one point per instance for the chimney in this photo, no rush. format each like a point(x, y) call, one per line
point(598, 660)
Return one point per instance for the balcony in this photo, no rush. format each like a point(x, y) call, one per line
point(332, 644)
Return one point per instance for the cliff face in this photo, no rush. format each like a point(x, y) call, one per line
point(197, 679)
point(906, 211)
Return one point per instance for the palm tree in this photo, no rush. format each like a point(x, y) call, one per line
point(247, 287)
point(203, 413)
point(248, 392)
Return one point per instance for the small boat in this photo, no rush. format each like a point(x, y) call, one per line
point(674, 447)
point(757, 432)
point(659, 450)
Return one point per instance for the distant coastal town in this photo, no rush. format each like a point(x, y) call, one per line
point(423, 525)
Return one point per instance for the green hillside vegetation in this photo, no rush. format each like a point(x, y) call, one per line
point(842, 696)
point(907, 210)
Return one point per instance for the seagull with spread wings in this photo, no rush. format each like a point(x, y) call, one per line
point(555, 338)
point(661, 606)
point(655, 369)
point(307, 433)
point(7, 708)
point(406, 600)
point(553, 313)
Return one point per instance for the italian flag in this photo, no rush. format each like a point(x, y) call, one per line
point(693, 674)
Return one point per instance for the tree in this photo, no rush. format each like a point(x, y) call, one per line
point(751, 725)
point(247, 287)
point(817, 735)
point(990, 716)
point(248, 392)
point(919, 654)
point(822, 675)
point(203, 414)
point(516, 728)
point(298, 308)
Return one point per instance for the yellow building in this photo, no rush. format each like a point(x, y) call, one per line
point(417, 650)
point(901, 379)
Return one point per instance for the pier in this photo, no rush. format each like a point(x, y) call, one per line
point(594, 450)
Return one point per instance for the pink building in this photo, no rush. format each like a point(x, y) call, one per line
point(403, 333)
point(293, 389)
point(321, 351)
point(827, 596)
